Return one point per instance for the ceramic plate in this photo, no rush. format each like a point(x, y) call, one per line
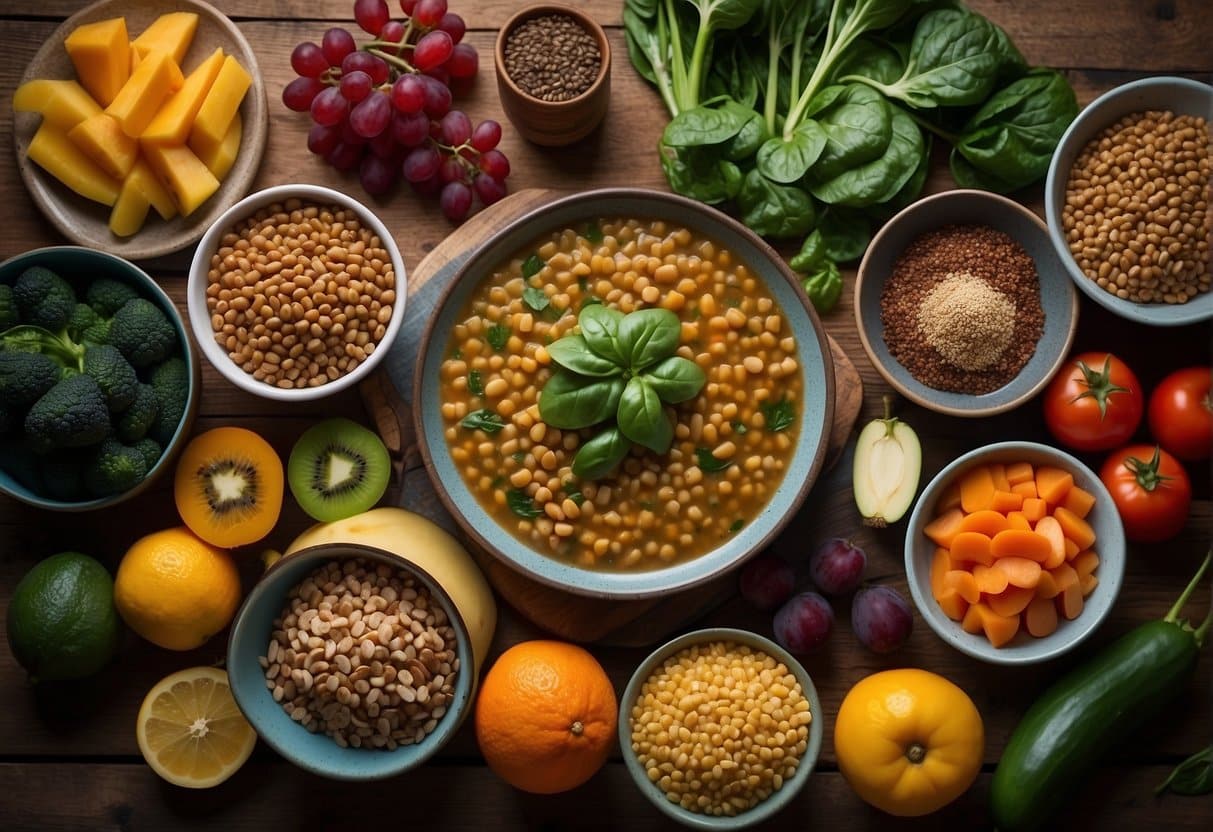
point(86, 222)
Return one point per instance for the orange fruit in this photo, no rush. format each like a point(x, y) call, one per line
point(545, 718)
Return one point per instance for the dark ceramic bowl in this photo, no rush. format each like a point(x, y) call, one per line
point(1058, 298)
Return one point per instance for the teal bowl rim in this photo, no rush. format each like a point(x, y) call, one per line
point(970, 406)
point(1084, 127)
point(790, 788)
point(257, 704)
point(152, 290)
point(1069, 634)
point(809, 451)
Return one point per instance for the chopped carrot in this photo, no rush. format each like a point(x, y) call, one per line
point(1086, 563)
point(944, 527)
point(1069, 603)
point(1011, 601)
point(949, 600)
point(964, 583)
point(1040, 618)
point(950, 498)
point(1050, 529)
point(971, 623)
point(1020, 572)
point(990, 581)
point(999, 628)
point(1064, 577)
point(977, 489)
point(1027, 490)
point(941, 562)
point(998, 473)
point(1088, 584)
point(1072, 549)
point(1075, 527)
point(987, 522)
point(953, 606)
point(1079, 501)
point(971, 547)
point(1047, 588)
point(1034, 508)
point(1052, 484)
point(1007, 501)
point(1019, 520)
point(1017, 543)
point(1019, 472)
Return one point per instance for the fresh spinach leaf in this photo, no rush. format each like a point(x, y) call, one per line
point(531, 266)
point(1194, 776)
point(774, 210)
point(498, 336)
point(600, 329)
point(700, 173)
point(483, 419)
point(521, 504)
point(845, 234)
point(642, 418)
point(749, 138)
point(535, 298)
point(823, 285)
point(705, 125)
point(779, 415)
point(571, 402)
point(599, 456)
point(870, 59)
point(573, 353)
point(878, 179)
point(648, 335)
point(675, 379)
point(708, 463)
point(786, 160)
point(858, 123)
point(475, 383)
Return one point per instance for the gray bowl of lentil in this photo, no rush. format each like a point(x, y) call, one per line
point(735, 475)
point(651, 760)
point(1167, 206)
point(926, 289)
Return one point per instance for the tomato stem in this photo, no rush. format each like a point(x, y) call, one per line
point(1146, 473)
point(1099, 385)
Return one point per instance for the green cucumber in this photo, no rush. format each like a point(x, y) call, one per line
point(1089, 711)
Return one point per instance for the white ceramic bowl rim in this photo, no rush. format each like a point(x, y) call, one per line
point(200, 317)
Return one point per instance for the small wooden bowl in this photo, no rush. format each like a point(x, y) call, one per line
point(87, 223)
point(554, 123)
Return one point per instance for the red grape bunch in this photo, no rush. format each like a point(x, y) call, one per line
point(385, 107)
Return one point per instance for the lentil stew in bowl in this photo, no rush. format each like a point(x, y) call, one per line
point(621, 395)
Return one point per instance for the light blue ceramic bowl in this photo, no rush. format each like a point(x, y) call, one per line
point(779, 799)
point(317, 753)
point(1057, 297)
point(813, 354)
point(1024, 648)
point(79, 266)
point(1180, 95)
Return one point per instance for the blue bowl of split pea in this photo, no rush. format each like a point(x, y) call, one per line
point(744, 451)
point(963, 305)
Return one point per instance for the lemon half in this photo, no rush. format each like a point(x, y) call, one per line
point(190, 731)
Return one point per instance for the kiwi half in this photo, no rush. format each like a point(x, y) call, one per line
point(338, 469)
point(228, 487)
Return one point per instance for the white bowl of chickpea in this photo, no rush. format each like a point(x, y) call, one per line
point(296, 292)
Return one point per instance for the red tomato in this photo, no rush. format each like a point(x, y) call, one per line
point(1151, 491)
point(1181, 413)
point(1094, 403)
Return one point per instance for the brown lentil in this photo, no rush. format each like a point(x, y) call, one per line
point(653, 509)
point(300, 294)
point(1136, 214)
point(364, 654)
point(719, 727)
point(928, 263)
point(552, 57)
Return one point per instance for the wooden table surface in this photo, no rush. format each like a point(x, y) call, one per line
point(68, 758)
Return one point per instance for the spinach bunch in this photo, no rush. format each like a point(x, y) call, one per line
point(619, 368)
point(814, 118)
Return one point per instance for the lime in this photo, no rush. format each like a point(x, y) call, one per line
point(61, 619)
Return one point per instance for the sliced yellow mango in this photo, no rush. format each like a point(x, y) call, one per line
point(171, 125)
point(217, 111)
point(171, 33)
point(102, 139)
point(101, 54)
point(58, 155)
point(153, 190)
point(224, 156)
point(65, 103)
point(130, 210)
point(135, 57)
point(141, 96)
point(188, 179)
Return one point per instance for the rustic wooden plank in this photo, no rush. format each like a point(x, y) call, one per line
point(265, 795)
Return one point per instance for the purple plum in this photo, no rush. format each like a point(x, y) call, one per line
point(881, 618)
point(837, 566)
point(804, 622)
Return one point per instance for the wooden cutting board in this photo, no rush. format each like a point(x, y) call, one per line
point(572, 617)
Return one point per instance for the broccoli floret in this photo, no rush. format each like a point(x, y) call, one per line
point(142, 333)
point(44, 298)
point(114, 374)
point(106, 296)
point(150, 449)
point(114, 468)
point(8, 308)
point(63, 475)
point(25, 377)
point(138, 418)
point(171, 381)
point(82, 318)
point(97, 333)
point(72, 414)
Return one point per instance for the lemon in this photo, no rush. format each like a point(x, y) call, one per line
point(176, 590)
point(190, 731)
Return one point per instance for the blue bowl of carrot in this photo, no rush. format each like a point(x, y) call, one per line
point(1015, 553)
